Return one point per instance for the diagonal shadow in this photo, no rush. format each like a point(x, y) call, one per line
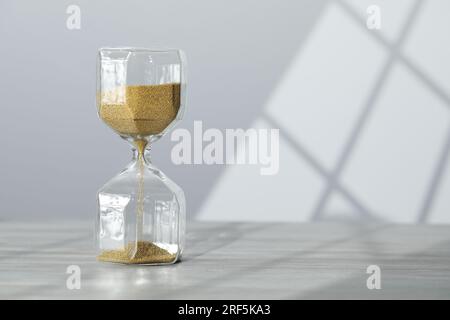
point(366, 112)
point(435, 181)
point(440, 93)
point(315, 164)
point(275, 62)
point(421, 75)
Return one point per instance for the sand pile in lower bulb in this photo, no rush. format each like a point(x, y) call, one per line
point(146, 252)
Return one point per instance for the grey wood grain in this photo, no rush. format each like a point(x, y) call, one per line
point(234, 261)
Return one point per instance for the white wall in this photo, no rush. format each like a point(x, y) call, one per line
point(364, 119)
point(363, 114)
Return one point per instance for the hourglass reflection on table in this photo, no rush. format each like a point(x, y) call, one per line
point(141, 212)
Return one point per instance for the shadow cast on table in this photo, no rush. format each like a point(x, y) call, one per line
point(273, 262)
point(219, 237)
point(215, 238)
point(38, 249)
point(397, 282)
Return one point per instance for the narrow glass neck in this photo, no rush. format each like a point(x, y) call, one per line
point(146, 154)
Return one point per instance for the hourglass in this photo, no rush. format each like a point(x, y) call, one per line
point(141, 212)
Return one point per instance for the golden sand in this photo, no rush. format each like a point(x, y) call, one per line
point(140, 110)
point(146, 252)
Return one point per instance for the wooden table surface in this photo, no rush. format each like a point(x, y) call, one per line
point(234, 261)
